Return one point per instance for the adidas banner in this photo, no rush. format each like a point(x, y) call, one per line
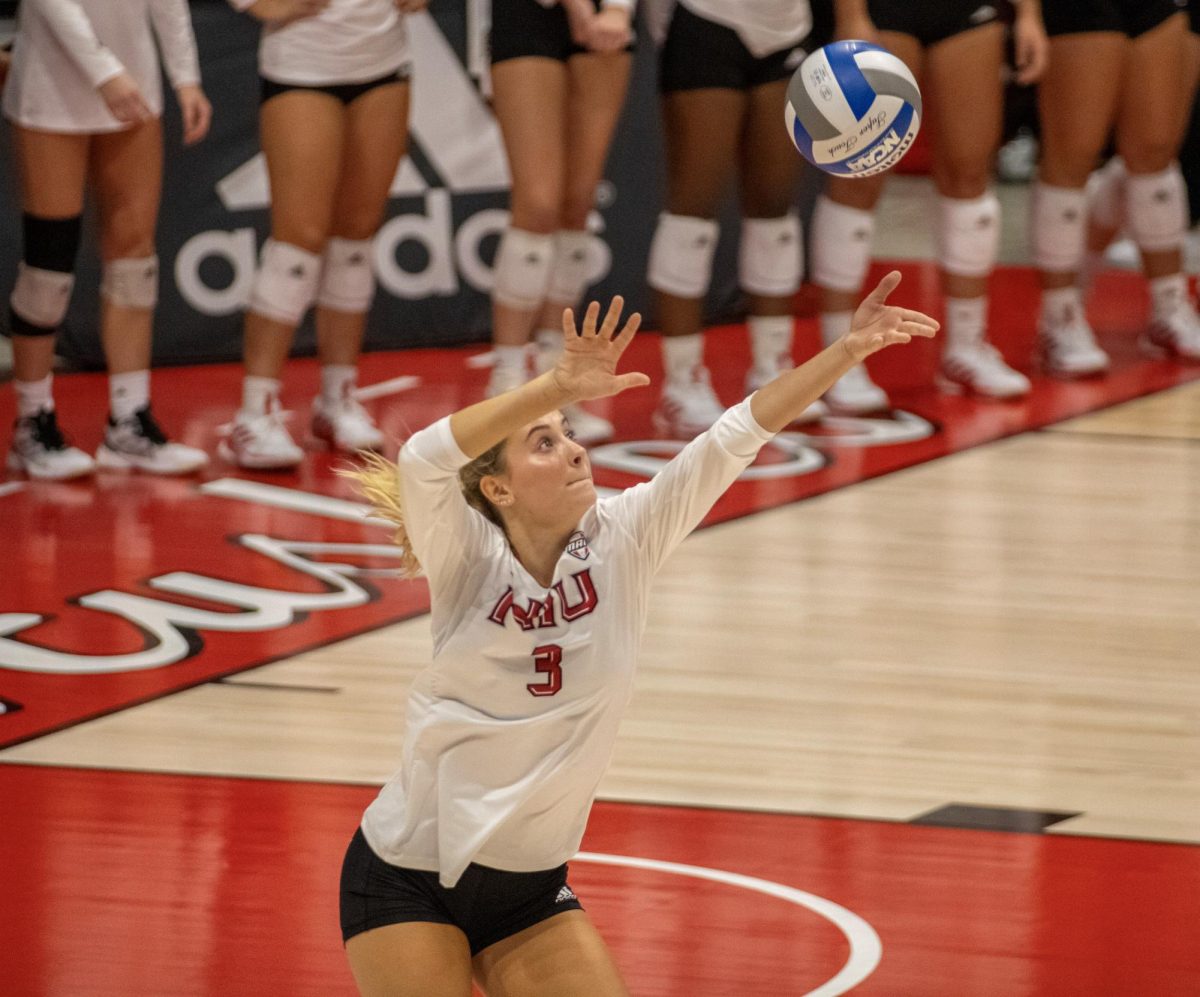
point(433, 254)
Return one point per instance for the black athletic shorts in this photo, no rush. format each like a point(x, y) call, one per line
point(1129, 17)
point(698, 54)
point(524, 28)
point(347, 93)
point(933, 21)
point(488, 905)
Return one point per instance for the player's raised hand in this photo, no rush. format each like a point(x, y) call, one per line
point(877, 324)
point(587, 367)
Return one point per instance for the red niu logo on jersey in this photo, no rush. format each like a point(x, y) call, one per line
point(542, 614)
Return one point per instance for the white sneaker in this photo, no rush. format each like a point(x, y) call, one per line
point(1069, 349)
point(505, 379)
point(855, 393)
point(587, 427)
point(260, 442)
point(1177, 336)
point(345, 425)
point(979, 368)
point(756, 379)
point(139, 443)
point(40, 450)
point(688, 408)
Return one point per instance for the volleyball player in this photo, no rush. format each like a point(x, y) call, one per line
point(955, 48)
point(559, 74)
point(723, 75)
point(1130, 69)
point(333, 123)
point(539, 597)
point(84, 98)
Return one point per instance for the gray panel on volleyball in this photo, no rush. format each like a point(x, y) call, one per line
point(819, 127)
point(893, 85)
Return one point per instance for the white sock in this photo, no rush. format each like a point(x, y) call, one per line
point(258, 392)
point(127, 393)
point(34, 396)
point(834, 325)
point(509, 359)
point(337, 381)
point(1093, 264)
point(771, 343)
point(549, 346)
point(1167, 294)
point(682, 355)
point(1060, 305)
point(966, 321)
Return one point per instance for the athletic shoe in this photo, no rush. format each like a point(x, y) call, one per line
point(756, 379)
point(855, 393)
point(138, 442)
point(1069, 349)
point(260, 442)
point(587, 427)
point(505, 379)
point(345, 425)
point(1177, 336)
point(979, 368)
point(687, 408)
point(40, 450)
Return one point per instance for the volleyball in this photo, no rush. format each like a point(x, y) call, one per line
point(853, 109)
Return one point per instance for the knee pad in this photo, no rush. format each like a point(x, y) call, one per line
point(770, 256)
point(1106, 194)
point(968, 234)
point(569, 274)
point(841, 245)
point(39, 300)
point(522, 272)
point(1156, 209)
point(681, 255)
point(347, 278)
point(1059, 228)
point(131, 283)
point(51, 243)
point(286, 282)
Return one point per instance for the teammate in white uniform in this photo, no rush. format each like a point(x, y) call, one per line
point(334, 126)
point(559, 71)
point(723, 73)
point(84, 98)
point(539, 596)
point(956, 50)
point(1118, 68)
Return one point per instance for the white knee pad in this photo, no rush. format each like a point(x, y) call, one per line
point(347, 278)
point(522, 271)
point(841, 245)
point(1059, 228)
point(771, 256)
point(569, 274)
point(1156, 209)
point(681, 255)
point(968, 234)
point(131, 283)
point(41, 297)
point(286, 282)
point(1106, 194)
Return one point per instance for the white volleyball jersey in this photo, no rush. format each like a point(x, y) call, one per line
point(764, 26)
point(66, 49)
point(350, 41)
point(511, 727)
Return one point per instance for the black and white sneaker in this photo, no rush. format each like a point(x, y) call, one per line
point(139, 442)
point(40, 450)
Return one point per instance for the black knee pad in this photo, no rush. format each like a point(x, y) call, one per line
point(51, 243)
point(45, 276)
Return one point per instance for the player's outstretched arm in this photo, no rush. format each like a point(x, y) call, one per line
point(587, 368)
point(876, 326)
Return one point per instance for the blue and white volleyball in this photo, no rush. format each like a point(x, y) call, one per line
point(853, 109)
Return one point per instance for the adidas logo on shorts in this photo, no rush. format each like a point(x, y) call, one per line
point(566, 893)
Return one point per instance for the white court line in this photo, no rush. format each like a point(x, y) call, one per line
point(865, 947)
point(292, 499)
point(392, 386)
point(11, 488)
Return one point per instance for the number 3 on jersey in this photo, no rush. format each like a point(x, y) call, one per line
point(547, 660)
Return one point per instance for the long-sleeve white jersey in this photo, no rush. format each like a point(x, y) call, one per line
point(511, 727)
point(66, 49)
point(350, 41)
point(764, 26)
